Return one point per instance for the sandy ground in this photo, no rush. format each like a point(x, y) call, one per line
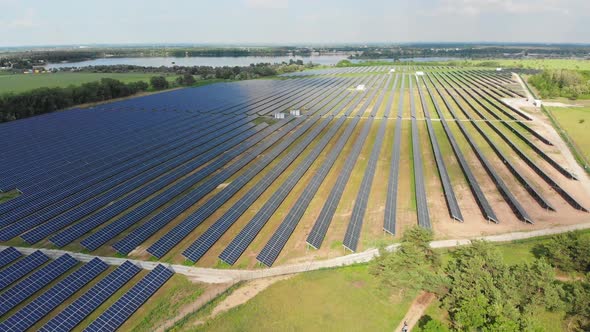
point(416, 310)
point(212, 291)
point(242, 295)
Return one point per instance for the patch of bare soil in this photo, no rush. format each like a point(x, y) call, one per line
point(243, 295)
point(416, 310)
point(211, 292)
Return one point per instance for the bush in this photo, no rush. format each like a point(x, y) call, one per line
point(186, 80)
point(159, 83)
point(567, 252)
point(561, 83)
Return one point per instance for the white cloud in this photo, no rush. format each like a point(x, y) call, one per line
point(26, 20)
point(272, 4)
point(478, 7)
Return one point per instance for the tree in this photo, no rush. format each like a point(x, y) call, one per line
point(413, 266)
point(159, 82)
point(567, 252)
point(486, 294)
point(186, 80)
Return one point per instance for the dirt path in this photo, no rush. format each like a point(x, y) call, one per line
point(242, 295)
point(416, 310)
point(212, 291)
point(222, 276)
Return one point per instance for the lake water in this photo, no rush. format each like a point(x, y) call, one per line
point(223, 61)
point(200, 61)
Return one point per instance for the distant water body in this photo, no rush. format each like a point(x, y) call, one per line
point(223, 61)
point(199, 61)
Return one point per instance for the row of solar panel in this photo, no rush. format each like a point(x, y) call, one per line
point(41, 218)
point(526, 184)
point(24, 284)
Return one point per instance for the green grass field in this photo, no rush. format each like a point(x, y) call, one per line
point(21, 82)
point(576, 121)
point(345, 299)
point(540, 63)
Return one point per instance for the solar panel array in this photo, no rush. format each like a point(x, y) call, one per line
point(8, 255)
point(120, 311)
point(36, 287)
point(389, 220)
point(318, 232)
point(155, 170)
point(451, 199)
point(421, 204)
point(21, 268)
point(78, 310)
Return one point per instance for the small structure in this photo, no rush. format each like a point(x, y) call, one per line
point(538, 102)
point(419, 73)
point(360, 87)
point(279, 115)
point(498, 69)
point(392, 70)
point(296, 113)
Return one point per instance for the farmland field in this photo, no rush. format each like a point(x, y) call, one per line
point(24, 82)
point(576, 122)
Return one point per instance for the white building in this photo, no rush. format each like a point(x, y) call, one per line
point(360, 87)
point(498, 69)
point(419, 73)
point(279, 115)
point(296, 113)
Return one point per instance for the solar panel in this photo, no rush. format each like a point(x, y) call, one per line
point(8, 255)
point(140, 234)
point(239, 244)
point(171, 170)
point(473, 184)
point(33, 283)
point(21, 268)
point(280, 237)
point(198, 248)
point(533, 164)
point(120, 311)
point(78, 310)
point(168, 241)
point(421, 204)
point(28, 315)
point(507, 162)
point(508, 196)
point(318, 232)
point(450, 197)
point(144, 171)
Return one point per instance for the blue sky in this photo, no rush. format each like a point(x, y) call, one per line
point(36, 22)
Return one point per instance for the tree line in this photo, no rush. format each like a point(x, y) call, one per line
point(14, 106)
point(562, 83)
point(481, 292)
point(204, 72)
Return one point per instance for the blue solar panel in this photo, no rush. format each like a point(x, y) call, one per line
point(27, 316)
point(8, 255)
point(76, 312)
point(211, 235)
point(22, 267)
point(120, 311)
point(239, 244)
point(33, 283)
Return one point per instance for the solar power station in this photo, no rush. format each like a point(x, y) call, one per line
point(212, 174)
point(36, 290)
